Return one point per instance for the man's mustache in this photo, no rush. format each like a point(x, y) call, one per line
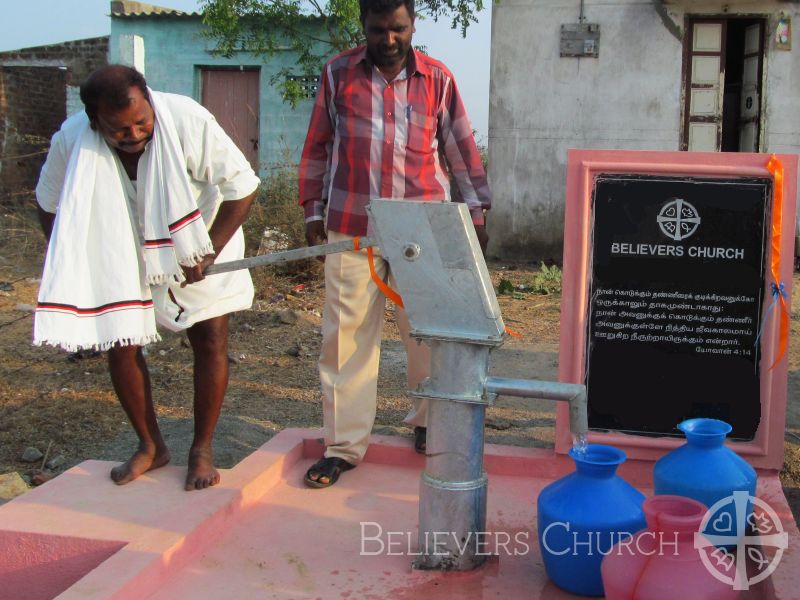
point(136, 143)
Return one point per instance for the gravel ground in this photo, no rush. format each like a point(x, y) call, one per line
point(65, 403)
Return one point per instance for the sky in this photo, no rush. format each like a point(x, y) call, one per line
point(25, 23)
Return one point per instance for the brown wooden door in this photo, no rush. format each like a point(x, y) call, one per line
point(232, 97)
point(750, 111)
point(704, 90)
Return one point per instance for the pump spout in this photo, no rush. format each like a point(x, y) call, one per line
point(573, 393)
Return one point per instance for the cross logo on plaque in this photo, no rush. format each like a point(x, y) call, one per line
point(678, 219)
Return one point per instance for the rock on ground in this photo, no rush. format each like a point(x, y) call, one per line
point(31, 454)
point(11, 486)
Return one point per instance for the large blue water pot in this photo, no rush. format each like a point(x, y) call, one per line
point(581, 516)
point(706, 470)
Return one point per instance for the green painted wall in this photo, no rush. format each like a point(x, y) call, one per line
point(174, 51)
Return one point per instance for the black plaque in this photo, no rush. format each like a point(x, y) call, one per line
point(676, 294)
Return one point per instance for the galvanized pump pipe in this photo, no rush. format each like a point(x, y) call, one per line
point(442, 277)
point(453, 489)
point(453, 486)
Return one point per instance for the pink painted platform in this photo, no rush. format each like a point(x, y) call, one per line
point(262, 534)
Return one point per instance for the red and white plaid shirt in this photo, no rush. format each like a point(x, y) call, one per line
point(371, 139)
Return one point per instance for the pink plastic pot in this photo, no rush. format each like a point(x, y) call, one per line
point(661, 562)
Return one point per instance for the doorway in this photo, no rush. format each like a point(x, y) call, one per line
point(723, 69)
point(231, 95)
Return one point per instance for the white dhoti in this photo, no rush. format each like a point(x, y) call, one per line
point(117, 246)
point(215, 296)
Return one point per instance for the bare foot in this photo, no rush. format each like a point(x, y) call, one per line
point(202, 473)
point(143, 460)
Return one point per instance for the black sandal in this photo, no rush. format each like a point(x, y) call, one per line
point(420, 439)
point(330, 468)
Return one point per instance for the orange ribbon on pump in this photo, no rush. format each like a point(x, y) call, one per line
point(387, 291)
point(775, 167)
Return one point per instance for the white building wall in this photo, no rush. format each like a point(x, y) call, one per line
point(782, 95)
point(74, 102)
point(628, 98)
point(128, 50)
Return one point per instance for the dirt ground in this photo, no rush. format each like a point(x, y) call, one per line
point(49, 399)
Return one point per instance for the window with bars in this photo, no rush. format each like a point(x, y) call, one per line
point(309, 84)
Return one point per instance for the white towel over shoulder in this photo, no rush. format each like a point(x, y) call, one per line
point(95, 286)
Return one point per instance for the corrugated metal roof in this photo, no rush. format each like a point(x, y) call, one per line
point(132, 9)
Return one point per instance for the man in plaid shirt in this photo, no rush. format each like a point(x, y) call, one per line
point(383, 119)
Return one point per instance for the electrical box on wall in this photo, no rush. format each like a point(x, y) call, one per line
point(580, 39)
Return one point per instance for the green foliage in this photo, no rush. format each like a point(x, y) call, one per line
point(461, 12)
point(313, 30)
point(276, 221)
point(546, 281)
point(505, 287)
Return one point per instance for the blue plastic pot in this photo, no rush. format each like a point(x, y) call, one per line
point(581, 516)
point(704, 469)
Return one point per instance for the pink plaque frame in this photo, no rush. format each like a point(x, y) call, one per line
point(765, 451)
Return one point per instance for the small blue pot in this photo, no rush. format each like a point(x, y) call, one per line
point(704, 469)
point(581, 517)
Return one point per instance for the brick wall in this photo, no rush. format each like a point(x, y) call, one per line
point(33, 104)
point(32, 107)
point(80, 57)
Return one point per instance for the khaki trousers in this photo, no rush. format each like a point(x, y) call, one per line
point(352, 323)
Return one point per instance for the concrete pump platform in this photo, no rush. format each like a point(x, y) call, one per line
point(262, 534)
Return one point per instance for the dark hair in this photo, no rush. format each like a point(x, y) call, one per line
point(381, 7)
point(111, 85)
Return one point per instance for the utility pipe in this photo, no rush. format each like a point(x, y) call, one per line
point(288, 256)
point(573, 393)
